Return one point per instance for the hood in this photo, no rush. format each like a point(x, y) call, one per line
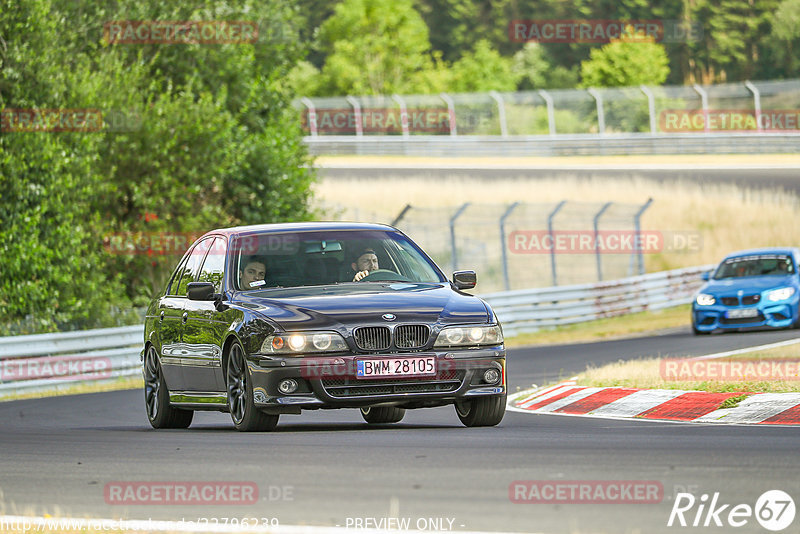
point(320, 307)
point(748, 284)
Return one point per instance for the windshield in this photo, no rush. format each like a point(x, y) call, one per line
point(756, 265)
point(298, 259)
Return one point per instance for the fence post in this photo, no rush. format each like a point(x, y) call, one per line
point(595, 223)
point(501, 112)
point(601, 116)
point(312, 115)
point(651, 107)
point(357, 114)
point(552, 240)
point(704, 102)
point(455, 216)
point(756, 102)
point(551, 114)
point(503, 247)
point(451, 111)
point(403, 113)
point(638, 232)
point(400, 215)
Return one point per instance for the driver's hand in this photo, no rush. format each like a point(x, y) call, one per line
point(359, 275)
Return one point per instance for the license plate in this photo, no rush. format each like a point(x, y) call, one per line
point(742, 314)
point(387, 367)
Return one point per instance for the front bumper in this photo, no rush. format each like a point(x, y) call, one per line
point(781, 314)
point(331, 381)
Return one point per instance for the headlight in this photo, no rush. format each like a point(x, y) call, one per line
point(704, 299)
point(469, 336)
point(780, 294)
point(304, 342)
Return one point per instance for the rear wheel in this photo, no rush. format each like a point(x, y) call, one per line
point(482, 411)
point(383, 414)
point(156, 397)
point(246, 417)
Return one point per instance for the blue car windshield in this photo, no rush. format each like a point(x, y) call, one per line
point(756, 265)
point(313, 258)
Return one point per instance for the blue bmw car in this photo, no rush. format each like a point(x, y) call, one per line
point(750, 289)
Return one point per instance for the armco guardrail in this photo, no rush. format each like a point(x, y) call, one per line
point(57, 361)
point(61, 360)
point(529, 310)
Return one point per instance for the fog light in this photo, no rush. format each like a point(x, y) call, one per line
point(491, 376)
point(287, 385)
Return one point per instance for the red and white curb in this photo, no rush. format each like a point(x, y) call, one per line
point(567, 398)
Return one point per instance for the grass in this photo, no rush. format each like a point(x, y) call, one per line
point(647, 374)
point(111, 385)
point(627, 325)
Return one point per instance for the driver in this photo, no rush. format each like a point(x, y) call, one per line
point(253, 272)
point(366, 262)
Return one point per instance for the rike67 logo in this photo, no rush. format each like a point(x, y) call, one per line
point(774, 510)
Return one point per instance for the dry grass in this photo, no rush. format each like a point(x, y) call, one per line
point(727, 217)
point(646, 374)
point(602, 329)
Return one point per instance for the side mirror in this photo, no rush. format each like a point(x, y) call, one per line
point(465, 279)
point(705, 276)
point(200, 291)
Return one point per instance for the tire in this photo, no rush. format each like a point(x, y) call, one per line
point(156, 397)
point(483, 411)
point(246, 417)
point(382, 414)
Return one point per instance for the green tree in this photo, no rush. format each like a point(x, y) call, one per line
point(534, 69)
point(623, 63)
point(483, 69)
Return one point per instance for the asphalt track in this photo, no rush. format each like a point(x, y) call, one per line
point(58, 455)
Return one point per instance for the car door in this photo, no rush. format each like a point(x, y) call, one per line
point(205, 328)
point(169, 328)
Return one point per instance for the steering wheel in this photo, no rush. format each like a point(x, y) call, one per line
point(384, 275)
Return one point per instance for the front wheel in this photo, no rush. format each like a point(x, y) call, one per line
point(156, 397)
point(246, 417)
point(481, 411)
point(383, 414)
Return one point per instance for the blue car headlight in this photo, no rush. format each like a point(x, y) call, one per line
point(704, 299)
point(780, 294)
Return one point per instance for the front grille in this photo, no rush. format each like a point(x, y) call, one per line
point(341, 387)
point(730, 301)
point(373, 337)
point(750, 299)
point(412, 336)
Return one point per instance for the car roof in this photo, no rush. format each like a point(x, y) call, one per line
point(766, 250)
point(297, 227)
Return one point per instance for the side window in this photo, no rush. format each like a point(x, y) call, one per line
point(193, 266)
point(214, 267)
point(173, 282)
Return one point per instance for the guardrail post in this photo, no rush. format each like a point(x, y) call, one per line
point(455, 216)
point(601, 116)
point(651, 107)
point(503, 244)
point(756, 102)
point(357, 114)
point(501, 112)
point(403, 113)
point(551, 113)
point(312, 115)
point(637, 234)
point(595, 224)
point(704, 102)
point(400, 215)
point(552, 240)
point(451, 111)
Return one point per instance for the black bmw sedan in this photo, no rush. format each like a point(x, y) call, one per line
point(260, 321)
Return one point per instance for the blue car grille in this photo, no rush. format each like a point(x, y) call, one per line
point(730, 301)
point(747, 300)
